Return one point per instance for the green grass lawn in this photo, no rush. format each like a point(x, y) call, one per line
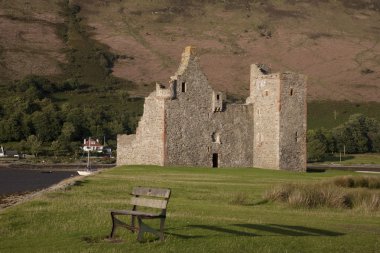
point(350, 159)
point(201, 215)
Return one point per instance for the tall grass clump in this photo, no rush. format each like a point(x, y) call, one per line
point(371, 182)
point(366, 200)
point(337, 193)
point(310, 196)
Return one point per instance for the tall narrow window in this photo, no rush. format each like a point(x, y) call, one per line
point(217, 97)
point(296, 136)
point(183, 86)
point(291, 92)
point(266, 93)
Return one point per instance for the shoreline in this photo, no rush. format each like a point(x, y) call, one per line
point(53, 166)
point(22, 197)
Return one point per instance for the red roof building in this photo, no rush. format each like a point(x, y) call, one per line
point(92, 145)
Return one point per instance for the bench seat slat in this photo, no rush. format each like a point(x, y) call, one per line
point(153, 203)
point(137, 213)
point(151, 192)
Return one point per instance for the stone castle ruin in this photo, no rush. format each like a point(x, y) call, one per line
point(188, 123)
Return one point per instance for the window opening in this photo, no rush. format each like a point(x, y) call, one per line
point(291, 92)
point(183, 86)
point(266, 93)
point(215, 137)
point(217, 97)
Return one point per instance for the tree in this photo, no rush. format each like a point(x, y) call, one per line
point(115, 128)
point(67, 131)
point(316, 145)
point(34, 145)
point(46, 122)
point(55, 147)
point(60, 147)
point(354, 135)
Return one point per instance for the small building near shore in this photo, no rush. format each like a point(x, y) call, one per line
point(92, 145)
point(8, 153)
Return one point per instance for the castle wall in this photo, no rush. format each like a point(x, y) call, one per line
point(124, 143)
point(234, 127)
point(147, 146)
point(187, 119)
point(197, 125)
point(293, 122)
point(187, 123)
point(266, 99)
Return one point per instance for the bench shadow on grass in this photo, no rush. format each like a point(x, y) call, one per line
point(272, 229)
point(275, 229)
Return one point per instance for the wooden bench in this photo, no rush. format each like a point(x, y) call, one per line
point(150, 198)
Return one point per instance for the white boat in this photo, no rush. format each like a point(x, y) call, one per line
point(88, 170)
point(85, 172)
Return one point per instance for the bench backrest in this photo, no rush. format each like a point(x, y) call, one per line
point(150, 197)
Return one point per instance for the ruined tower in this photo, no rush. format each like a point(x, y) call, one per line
point(279, 127)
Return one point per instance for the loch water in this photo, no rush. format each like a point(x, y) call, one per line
point(14, 181)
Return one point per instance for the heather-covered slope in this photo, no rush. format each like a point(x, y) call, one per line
point(334, 42)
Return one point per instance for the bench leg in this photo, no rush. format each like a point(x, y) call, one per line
point(140, 235)
point(113, 225)
point(133, 219)
point(162, 224)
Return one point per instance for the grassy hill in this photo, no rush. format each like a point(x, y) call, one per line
point(210, 210)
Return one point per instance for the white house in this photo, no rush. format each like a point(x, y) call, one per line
point(92, 145)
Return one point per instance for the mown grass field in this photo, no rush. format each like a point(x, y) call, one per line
point(203, 215)
point(351, 159)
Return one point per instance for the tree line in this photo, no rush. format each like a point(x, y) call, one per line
point(360, 134)
point(31, 118)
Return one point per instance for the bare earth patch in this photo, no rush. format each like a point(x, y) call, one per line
point(29, 48)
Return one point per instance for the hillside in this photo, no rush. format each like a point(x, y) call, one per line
point(335, 43)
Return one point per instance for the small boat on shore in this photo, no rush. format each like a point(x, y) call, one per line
point(88, 171)
point(85, 172)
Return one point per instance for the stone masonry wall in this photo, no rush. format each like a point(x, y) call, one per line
point(187, 117)
point(266, 121)
point(234, 127)
point(124, 143)
point(147, 146)
point(196, 118)
point(188, 123)
point(293, 122)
